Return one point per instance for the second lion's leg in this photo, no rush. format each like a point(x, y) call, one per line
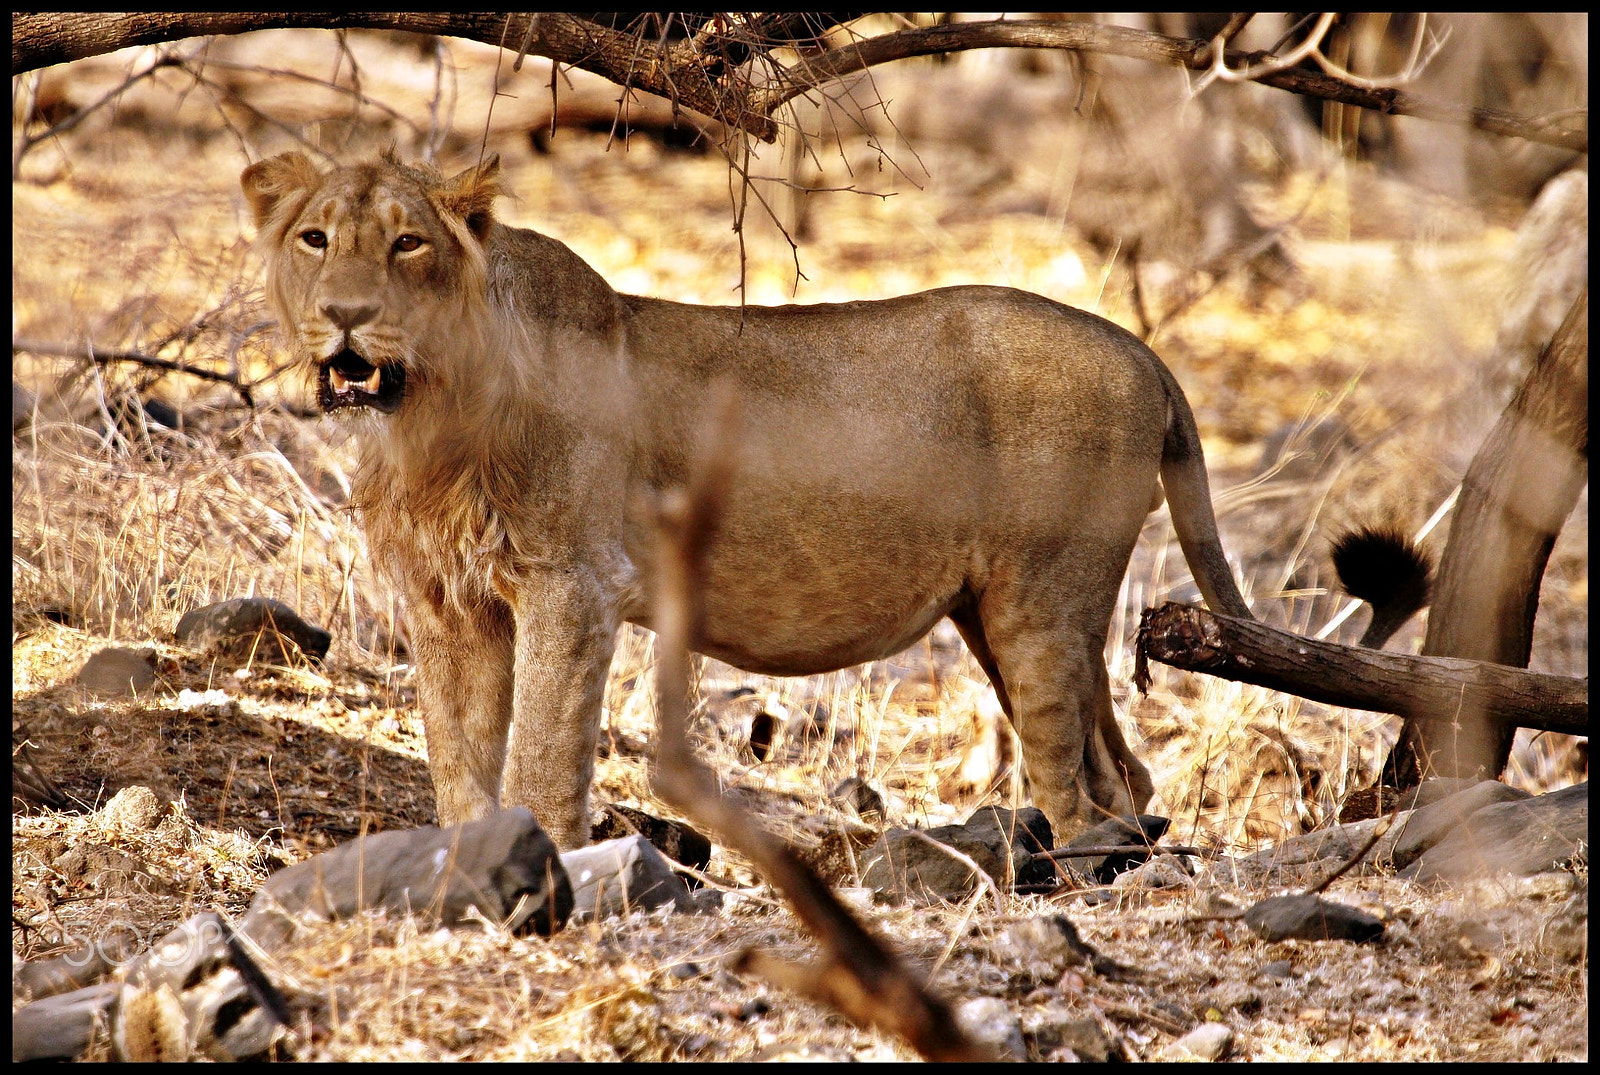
point(463, 653)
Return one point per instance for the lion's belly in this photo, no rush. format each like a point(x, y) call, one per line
point(801, 580)
point(792, 618)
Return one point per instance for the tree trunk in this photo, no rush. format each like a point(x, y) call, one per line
point(1515, 496)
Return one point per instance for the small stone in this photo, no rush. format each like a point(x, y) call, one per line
point(1208, 1041)
point(1119, 832)
point(1055, 1030)
point(1162, 871)
point(1051, 937)
point(990, 1021)
point(1235, 996)
point(135, 807)
point(674, 839)
point(1277, 968)
point(1565, 934)
point(1310, 918)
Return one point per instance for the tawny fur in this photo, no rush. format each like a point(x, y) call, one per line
point(973, 452)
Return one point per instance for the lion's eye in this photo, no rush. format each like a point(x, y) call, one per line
point(314, 239)
point(407, 243)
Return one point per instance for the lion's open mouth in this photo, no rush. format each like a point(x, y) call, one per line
point(348, 380)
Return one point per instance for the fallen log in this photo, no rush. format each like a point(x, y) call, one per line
point(1418, 688)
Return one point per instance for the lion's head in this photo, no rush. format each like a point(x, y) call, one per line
point(376, 271)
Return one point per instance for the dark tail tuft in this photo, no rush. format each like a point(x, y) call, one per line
point(1383, 568)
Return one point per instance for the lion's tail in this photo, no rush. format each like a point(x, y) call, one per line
point(1183, 473)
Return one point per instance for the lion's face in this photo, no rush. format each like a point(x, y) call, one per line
point(373, 269)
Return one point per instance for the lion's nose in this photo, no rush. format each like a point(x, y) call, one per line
point(349, 317)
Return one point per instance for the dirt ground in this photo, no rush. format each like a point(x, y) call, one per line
point(129, 233)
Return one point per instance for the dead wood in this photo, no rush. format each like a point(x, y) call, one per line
point(856, 974)
point(1516, 494)
point(1433, 689)
point(697, 71)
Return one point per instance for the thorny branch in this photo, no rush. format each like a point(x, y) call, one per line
point(726, 67)
point(856, 974)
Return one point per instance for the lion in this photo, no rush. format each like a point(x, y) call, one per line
point(978, 453)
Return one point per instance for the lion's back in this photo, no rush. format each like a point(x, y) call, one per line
point(543, 280)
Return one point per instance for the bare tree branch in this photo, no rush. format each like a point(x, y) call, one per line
point(101, 358)
point(1145, 45)
point(698, 72)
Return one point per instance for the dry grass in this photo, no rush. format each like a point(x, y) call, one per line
point(119, 535)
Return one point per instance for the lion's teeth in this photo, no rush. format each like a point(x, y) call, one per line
point(370, 383)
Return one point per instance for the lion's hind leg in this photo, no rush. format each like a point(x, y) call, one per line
point(1049, 656)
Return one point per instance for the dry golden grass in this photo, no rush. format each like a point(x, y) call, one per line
point(128, 239)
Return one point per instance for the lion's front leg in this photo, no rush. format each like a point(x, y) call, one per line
point(464, 658)
point(565, 634)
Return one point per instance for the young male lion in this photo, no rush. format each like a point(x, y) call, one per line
point(973, 452)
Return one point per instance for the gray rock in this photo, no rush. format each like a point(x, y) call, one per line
point(1208, 1041)
point(673, 839)
point(1297, 861)
point(1310, 918)
point(1162, 871)
point(1116, 832)
point(1276, 969)
point(1437, 815)
point(1230, 996)
point(1054, 939)
point(989, 1021)
point(1049, 937)
point(1565, 934)
point(1026, 829)
point(1085, 1038)
point(1439, 788)
point(503, 867)
point(860, 798)
point(618, 875)
point(905, 863)
point(1517, 838)
point(58, 1027)
point(245, 626)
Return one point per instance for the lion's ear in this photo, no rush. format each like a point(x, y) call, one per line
point(267, 183)
point(471, 196)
